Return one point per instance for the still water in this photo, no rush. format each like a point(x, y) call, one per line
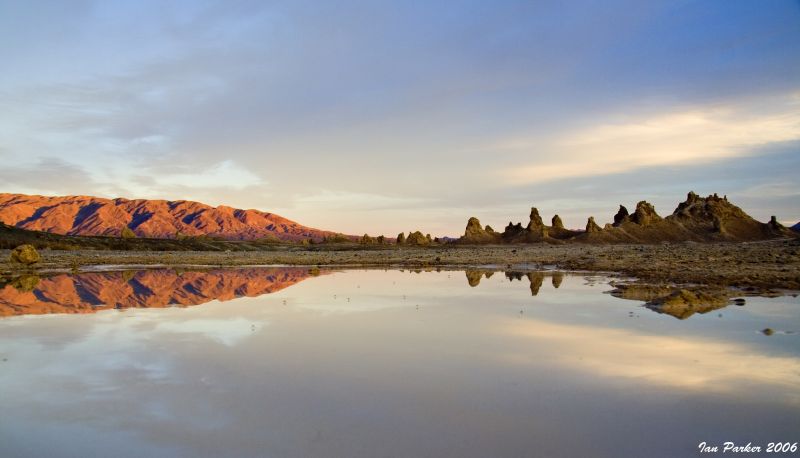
point(288, 362)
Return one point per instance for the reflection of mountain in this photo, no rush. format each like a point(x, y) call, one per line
point(89, 292)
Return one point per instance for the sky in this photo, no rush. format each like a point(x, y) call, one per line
point(382, 117)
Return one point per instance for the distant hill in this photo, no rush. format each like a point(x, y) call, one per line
point(796, 227)
point(11, 237)
point(85, 215)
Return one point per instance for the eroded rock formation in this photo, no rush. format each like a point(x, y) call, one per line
point(536, 228)
point(591, 226)
point(622, 216)
point(417, 239)
point(474, 233)
point(645, 214)
point(698, 219)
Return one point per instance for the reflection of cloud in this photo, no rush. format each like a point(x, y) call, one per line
point(48, 174)
point(688, 363)
point(227, 332)
point(698, 135)
point(771, 190)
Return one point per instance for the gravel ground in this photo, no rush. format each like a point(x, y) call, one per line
point(757, 266)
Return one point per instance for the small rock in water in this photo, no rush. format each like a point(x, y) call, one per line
point(767, 331)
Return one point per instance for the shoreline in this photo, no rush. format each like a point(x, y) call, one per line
point(762, 266)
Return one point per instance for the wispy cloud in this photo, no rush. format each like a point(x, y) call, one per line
point(48, 174)
point(678, 138)
point(225, 174)
point(359, 200)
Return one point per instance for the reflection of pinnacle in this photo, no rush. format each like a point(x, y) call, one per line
point(536, 279)
point(558, 277)
point(473, 277)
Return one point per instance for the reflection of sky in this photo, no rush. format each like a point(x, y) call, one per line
point(565, 106)
point(419, 364)
point(699, 363)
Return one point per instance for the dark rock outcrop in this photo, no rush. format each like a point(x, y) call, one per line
point(622, 216)
point(774, 224)
point(514, 233)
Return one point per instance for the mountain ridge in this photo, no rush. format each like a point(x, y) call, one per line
point(153, 218)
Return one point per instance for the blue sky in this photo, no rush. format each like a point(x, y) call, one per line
point(384, 117)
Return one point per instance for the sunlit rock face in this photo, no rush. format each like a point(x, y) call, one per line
point(475, 233)
point(536, 228)
point(591, 226)
point(85, 215)
point(645, 214)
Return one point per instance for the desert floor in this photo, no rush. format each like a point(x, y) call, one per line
point(757, 266)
